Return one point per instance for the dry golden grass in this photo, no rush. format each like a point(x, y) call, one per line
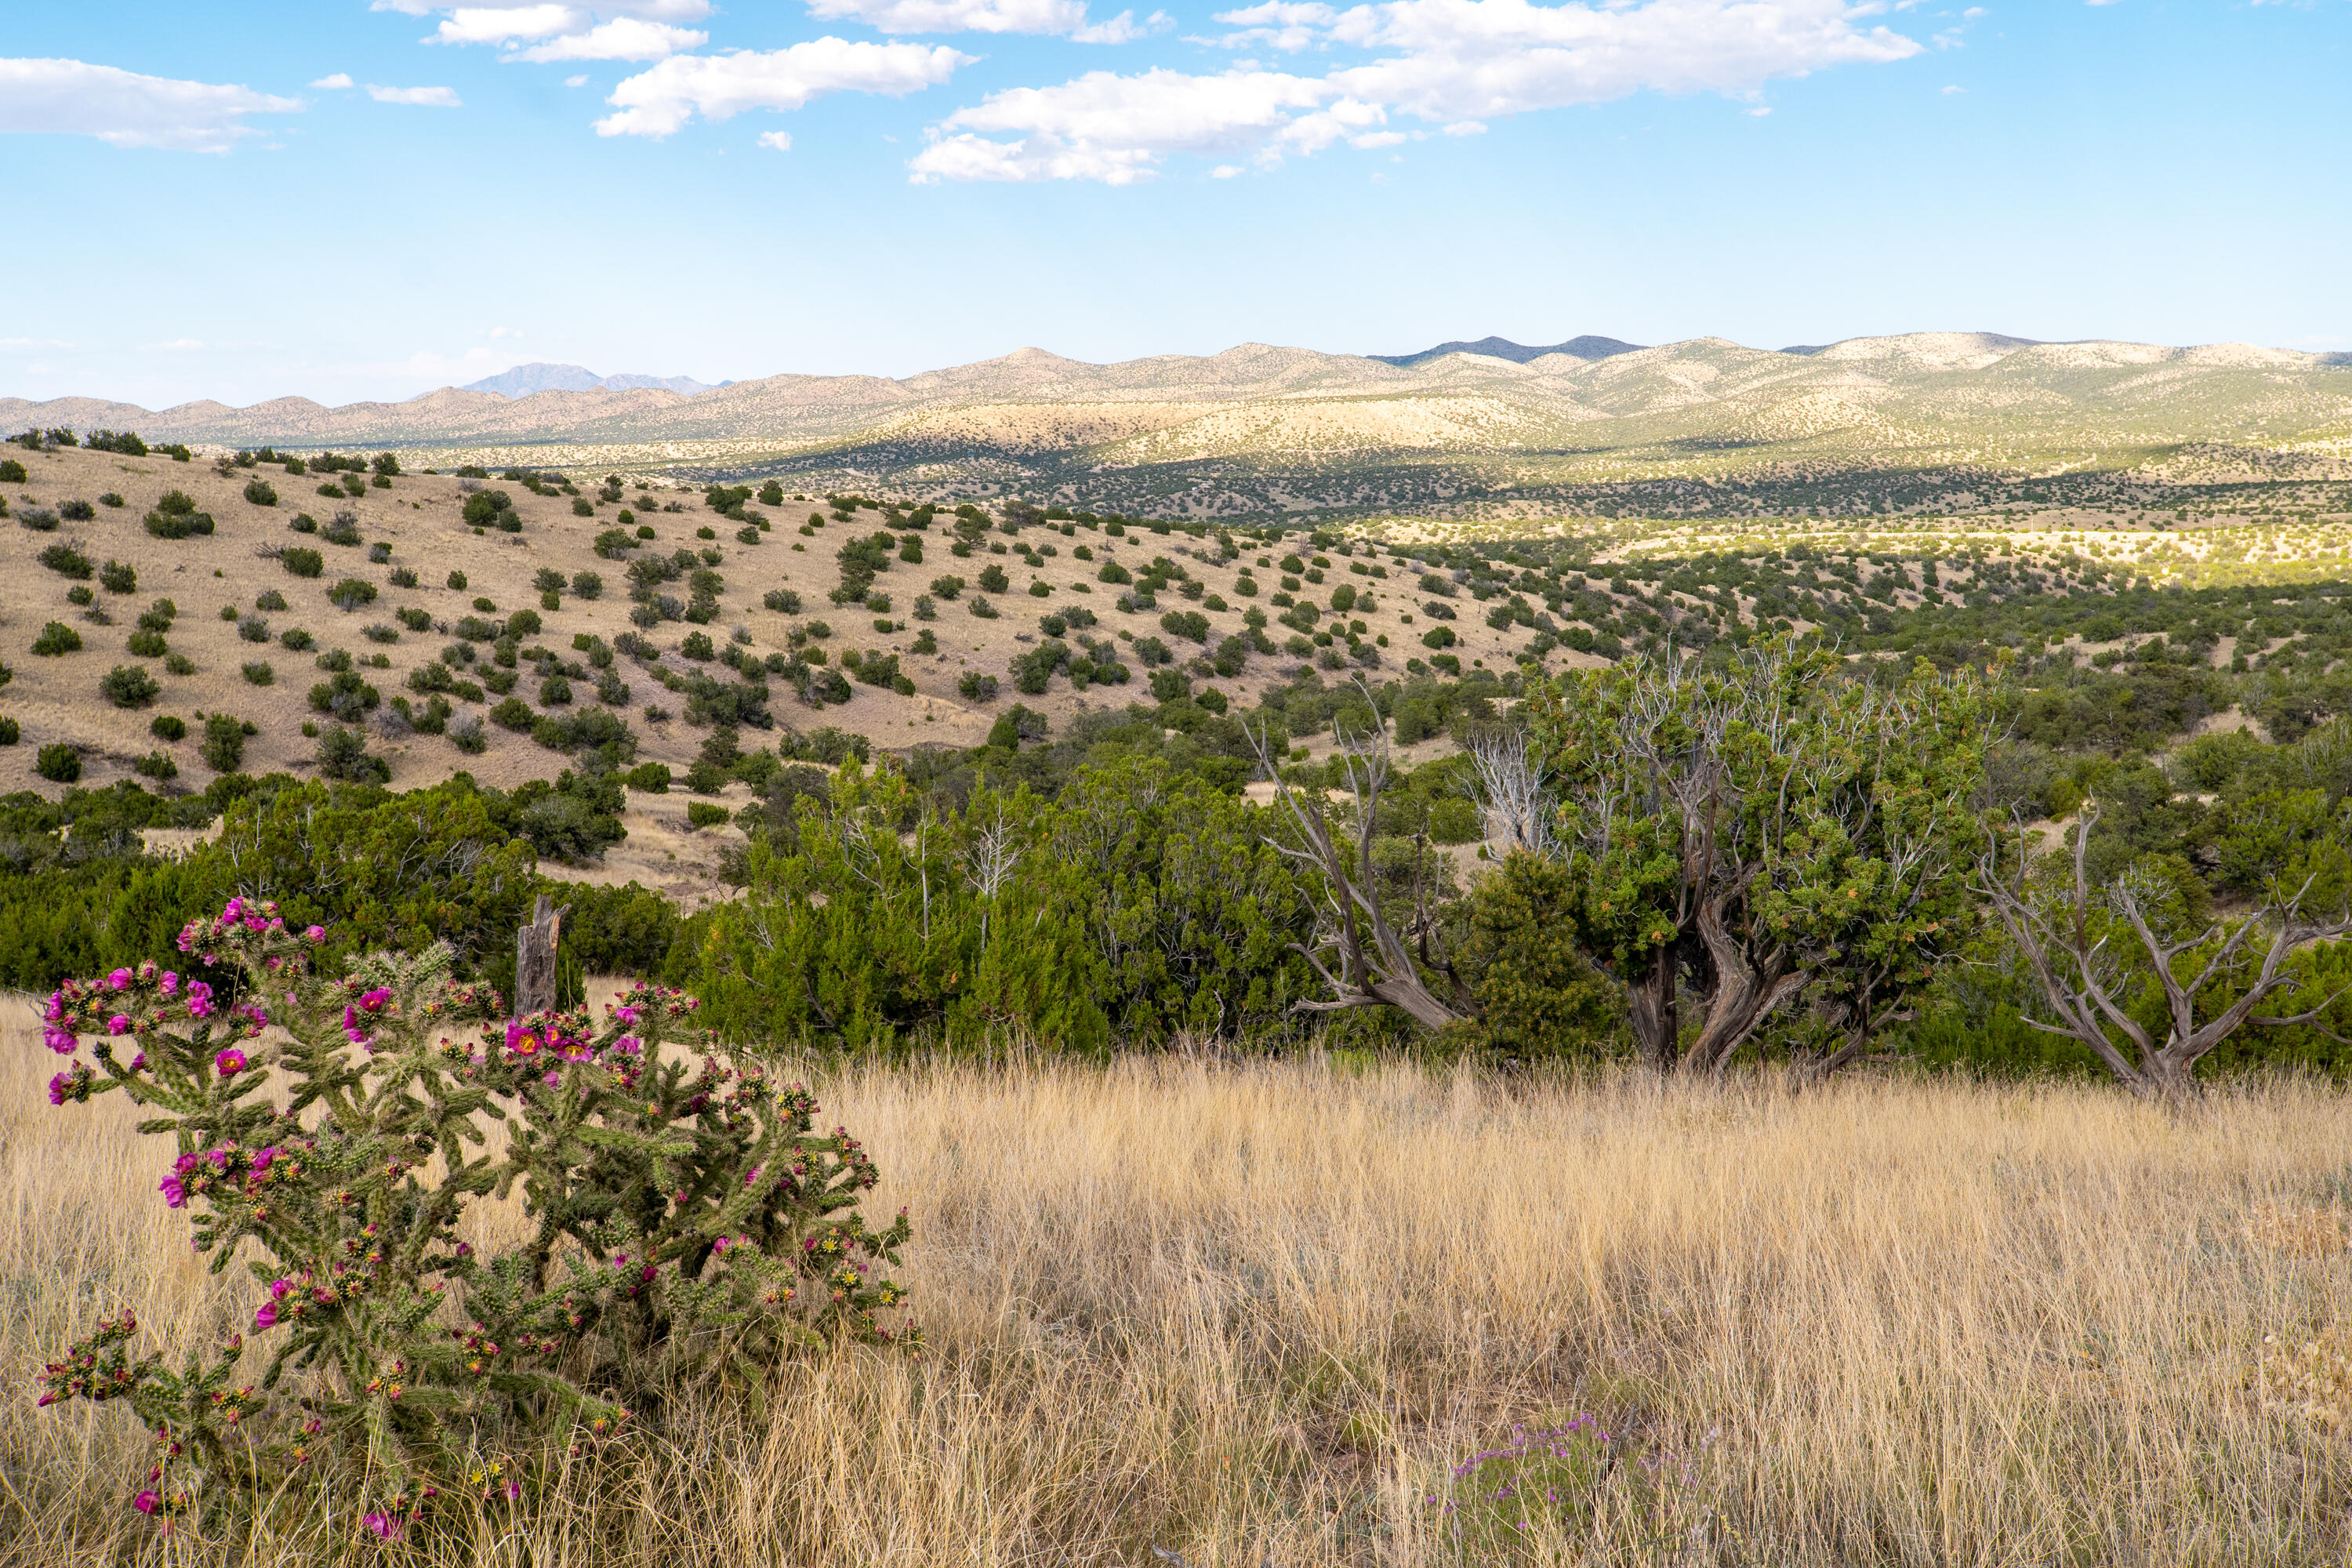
point(1254, 1314)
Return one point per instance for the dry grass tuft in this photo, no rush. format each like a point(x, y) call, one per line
point(1274, 1312)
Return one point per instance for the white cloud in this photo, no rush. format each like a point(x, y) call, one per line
point(124, 109)
point(575, 81)
point(599, 30)
point(1949, 90)
point(417, 97)
point(1287, 24)
point(505, 24)
point(1758, 112)
point(1225, 171)
point(33, 343)
point(1113, 128)
point(175, 345)
point(779, 140)
point(339, 80)
point(660, 101)
point(506, 332)
point(1467, 128)
point(1453, 62)
point(623, 39)
point(1066, 17)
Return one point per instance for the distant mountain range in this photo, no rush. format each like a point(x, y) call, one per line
point(1917, 420)
point(1584, 348)
point(524, 380)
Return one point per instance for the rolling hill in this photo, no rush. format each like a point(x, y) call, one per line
point(1927, 421)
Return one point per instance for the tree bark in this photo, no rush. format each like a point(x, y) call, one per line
point(535, 958)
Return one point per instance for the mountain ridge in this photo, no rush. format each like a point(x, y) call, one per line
point(540, 376)
point(1589, 346)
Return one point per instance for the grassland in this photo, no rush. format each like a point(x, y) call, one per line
point(1265, 1313)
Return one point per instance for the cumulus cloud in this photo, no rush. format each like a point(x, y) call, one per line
point(125, 109)
point(660, 101)
point(1064, 17)
point(623, 39)
point(1452, 63)
point(417, 97)
point(776, 141)
point(1112, 128)
point(627, 30)
point(341, 80)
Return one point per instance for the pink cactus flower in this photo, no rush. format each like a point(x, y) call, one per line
point(118, 1024)
point(229, 1063)
point(147, 1501)
point(61, 1041)
point(266, 1315)
point(175, 1194)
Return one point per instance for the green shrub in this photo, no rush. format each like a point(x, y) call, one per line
point(11, 471)
point(76, 510)
point(702, 814)
point(294, 639)
point(223, 749)
point(583, 507)
point(523, 623)
point(58, 763)
point(39, 519)
point(587, 585)
point(487, 507)
point(66, 561)
point(349, 593)
point(261, 493)
point(57, 637)
point(651, 777)
point(343, 755)
point(168, 727)
point(258, 673)
point(302, 561)
point(117, 578)
point(149, 645)
point(157, 765)
point(10, 731)
point(179, 663)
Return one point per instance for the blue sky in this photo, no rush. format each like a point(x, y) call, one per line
point(325, 198)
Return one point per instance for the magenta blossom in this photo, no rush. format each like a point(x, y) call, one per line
point(315, 934)
point(373, 1001)
point(118, 1024)
point(229, 1063)
point(266, 1315)
point(61, 1041)
point(384, 1526)
point(175, 1193)
point(119, 980)
point(147, 1501)
point(200, 999)
point(169, 984)
point(60, 1087)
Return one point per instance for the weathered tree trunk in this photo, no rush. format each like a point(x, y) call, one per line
point(1650, 1005)
point(535, 958)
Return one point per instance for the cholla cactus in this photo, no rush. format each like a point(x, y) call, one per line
point(683, 1221)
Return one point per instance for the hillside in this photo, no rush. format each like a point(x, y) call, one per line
point(1955, 422)
point(224, 617)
